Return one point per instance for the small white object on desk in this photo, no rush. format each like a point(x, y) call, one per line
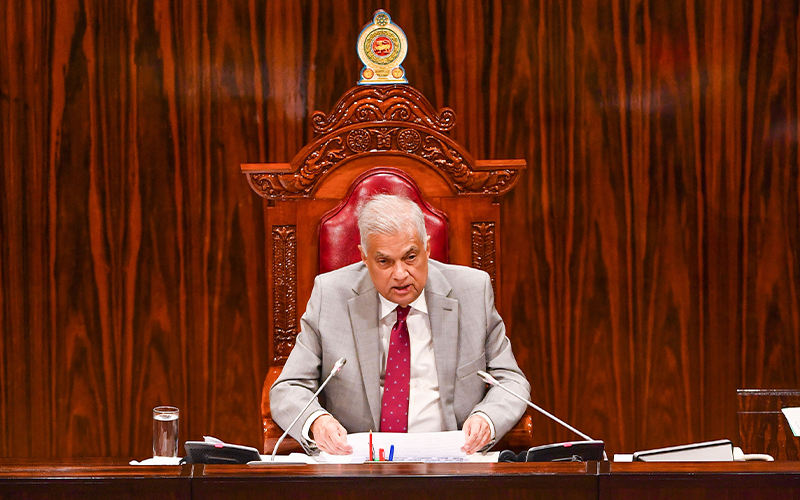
point(710, 451)
point(720, 450)
point(793, 416)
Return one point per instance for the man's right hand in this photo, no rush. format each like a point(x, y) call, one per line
point(330, 436)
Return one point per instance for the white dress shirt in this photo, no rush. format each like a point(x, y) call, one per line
point(424, 405)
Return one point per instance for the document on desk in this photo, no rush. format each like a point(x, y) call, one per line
point(408, 447)
point(793, 416)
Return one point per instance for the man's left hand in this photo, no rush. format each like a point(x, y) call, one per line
point(476, 434)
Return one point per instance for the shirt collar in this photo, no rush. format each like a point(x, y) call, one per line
point(388, 307)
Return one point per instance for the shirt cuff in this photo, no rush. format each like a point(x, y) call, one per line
point(488, 421)
point(310, 420)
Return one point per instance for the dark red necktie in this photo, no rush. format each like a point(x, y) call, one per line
point(394, 408)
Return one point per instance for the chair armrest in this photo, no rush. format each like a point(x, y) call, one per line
point(271, 431)
point(520, 437)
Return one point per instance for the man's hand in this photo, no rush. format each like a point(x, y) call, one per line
point(330, 436)
point(477, 434)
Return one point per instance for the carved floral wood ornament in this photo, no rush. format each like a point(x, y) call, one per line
point(391, 120)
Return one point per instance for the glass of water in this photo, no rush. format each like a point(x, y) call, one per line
point(165, 431)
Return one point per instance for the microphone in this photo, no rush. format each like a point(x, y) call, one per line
point(336, 367)
point(493, 381)
point(550, 452)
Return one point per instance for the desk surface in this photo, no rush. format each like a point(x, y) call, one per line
point(103, 479)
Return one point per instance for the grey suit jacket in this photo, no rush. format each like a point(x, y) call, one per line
point(341, 320)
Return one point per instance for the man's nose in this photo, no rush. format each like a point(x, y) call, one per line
point(399, 270)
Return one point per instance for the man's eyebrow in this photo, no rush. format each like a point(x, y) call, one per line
point(411, 250)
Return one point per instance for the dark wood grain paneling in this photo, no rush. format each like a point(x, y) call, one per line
point(651, 250)
point(26, 211)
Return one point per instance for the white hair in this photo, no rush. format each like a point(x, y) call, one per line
point(389, 214)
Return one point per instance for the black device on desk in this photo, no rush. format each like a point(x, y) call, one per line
point(214, 451)
point(572, 451)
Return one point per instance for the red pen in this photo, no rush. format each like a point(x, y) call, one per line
point(371, 451)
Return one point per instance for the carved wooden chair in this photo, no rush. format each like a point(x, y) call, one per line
point(378, 138)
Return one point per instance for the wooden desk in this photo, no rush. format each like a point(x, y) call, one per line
point(399, 481)
point(606, 481)
point(95, 479)
point(690, 481)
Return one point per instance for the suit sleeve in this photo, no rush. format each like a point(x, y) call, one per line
point(502, 408)
point(301, 374)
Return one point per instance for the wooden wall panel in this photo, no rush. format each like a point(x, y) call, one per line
point(651, 249)
point(26, 209)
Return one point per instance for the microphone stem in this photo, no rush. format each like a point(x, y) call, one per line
point(286, 432)
point(544, 412)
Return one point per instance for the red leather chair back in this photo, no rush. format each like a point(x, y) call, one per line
point(338, 229)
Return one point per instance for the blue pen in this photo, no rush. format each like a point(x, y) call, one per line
point(391, 453)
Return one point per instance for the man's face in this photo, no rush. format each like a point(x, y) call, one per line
point(398, 265)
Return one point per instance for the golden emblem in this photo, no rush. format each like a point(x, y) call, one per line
point(382, 47)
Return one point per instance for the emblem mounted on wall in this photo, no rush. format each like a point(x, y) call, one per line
point(382, 47)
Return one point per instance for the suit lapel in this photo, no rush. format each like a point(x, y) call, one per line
point(363, 310)
point(443, 314)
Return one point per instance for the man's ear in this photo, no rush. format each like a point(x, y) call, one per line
point(427, 245)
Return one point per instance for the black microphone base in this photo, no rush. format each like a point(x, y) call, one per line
point(201, 452)
point(572, 451)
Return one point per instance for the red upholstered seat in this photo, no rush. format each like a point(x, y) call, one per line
point(338, 231)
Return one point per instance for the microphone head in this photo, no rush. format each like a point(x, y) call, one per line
point(487, 378)
point(338, 365)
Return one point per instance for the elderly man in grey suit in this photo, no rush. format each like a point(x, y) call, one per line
point(414, 332)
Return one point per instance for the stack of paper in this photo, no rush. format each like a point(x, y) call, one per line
point(410, 447)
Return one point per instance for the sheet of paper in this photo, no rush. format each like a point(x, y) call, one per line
point(301, 458)
point(793, 416)
point(411, 447)
point(157, 461)
point(488, 457)
point(292, 458)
